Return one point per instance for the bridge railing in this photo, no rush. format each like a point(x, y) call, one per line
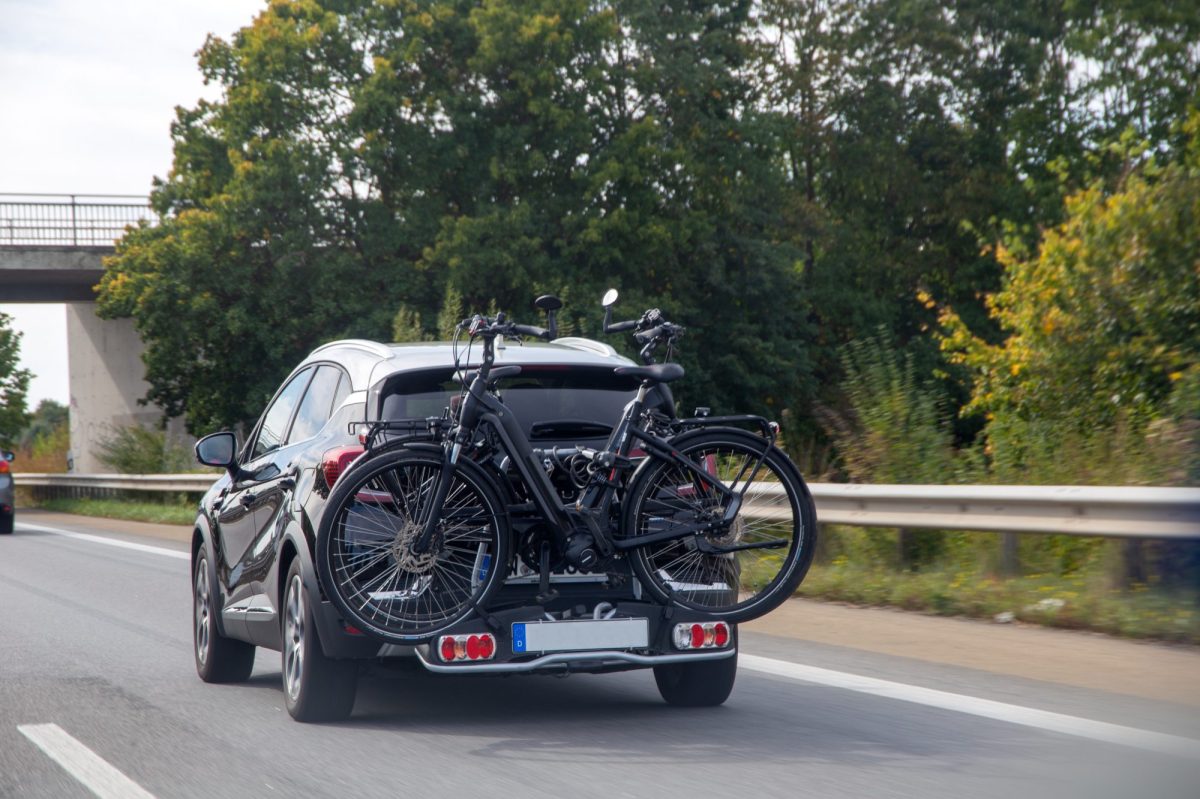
point(1120, 512)
point(69, 219)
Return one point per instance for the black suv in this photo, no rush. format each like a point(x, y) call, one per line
point(253, 574)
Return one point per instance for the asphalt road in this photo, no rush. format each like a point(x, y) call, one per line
point(96, 671)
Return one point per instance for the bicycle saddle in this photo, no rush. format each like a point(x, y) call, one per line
point(497, 373)
point(654, 373)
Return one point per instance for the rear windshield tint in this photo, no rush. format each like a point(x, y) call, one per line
point(538, 396)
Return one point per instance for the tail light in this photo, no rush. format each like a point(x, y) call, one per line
point(455, 648)
point(710, 635)
point(4, 467)
point(336, 461)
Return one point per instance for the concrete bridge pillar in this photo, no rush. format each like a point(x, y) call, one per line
point(106, 373)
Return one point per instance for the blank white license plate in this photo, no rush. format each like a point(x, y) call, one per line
point(580, 635)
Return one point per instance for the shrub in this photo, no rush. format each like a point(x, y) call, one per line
point(134, 449)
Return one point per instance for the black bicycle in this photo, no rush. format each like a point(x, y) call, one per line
point(713, 518)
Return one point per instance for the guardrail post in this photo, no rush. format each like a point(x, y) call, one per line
point(1010, 557)
point(74, 227)
point(1133, 563)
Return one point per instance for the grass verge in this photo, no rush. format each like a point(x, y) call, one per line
point(130, 510)
point(1073, 601)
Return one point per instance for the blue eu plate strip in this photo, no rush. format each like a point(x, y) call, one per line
point(518, 635)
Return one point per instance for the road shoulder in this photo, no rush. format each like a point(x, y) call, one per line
point(1094, 661)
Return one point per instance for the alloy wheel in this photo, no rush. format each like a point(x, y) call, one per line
point(293, 637)
point(203, 615)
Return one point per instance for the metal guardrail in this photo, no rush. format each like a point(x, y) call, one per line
point(1122, 512)
point(1118, 511)
point(178, 483)
point(69, 219)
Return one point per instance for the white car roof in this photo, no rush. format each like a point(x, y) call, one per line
point(369, 362)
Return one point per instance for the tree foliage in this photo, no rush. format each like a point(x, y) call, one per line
point(45, 421)
point(1102, 326)
point(1104, 318)
point(781, 176)
point(14, 384)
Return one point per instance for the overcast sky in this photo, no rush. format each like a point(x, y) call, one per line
point(87, 94)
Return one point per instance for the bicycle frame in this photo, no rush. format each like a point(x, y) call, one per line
point(591, 511)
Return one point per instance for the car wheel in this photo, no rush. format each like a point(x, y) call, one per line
point(218, 659)
point(6, 523)
point(706, 683)
point(315, 687)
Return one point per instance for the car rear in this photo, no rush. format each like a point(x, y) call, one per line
point(7, 499)
point(580, 621)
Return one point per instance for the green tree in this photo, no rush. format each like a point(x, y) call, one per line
point(46, 419)
point(14, 384)
point(367, 156)
point(1103, 319)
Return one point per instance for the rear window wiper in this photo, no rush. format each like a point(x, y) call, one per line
point(553, 428)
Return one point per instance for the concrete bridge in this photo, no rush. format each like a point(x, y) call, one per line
point(51, 251)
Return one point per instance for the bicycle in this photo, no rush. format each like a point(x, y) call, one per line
point(713, 518)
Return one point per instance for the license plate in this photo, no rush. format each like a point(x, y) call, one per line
point(580, 635)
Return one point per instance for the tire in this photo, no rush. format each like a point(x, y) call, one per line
point(361, 546)
point(315, 687)
point(6, 523)
point(218, 659)
point(707, 683)
point(737, 586)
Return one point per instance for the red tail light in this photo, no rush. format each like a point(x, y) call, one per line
point(710, 635)
point(336, 461)
point(480, 646)
point(4, 467)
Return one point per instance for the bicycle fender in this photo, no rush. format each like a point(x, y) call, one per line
point(683, 439)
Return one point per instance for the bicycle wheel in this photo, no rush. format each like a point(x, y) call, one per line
point(372, 517)
point(766, 550)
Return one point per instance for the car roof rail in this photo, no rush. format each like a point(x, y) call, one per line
point(586, 345)
point(373, 347)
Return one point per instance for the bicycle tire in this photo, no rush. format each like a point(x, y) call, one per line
point(369, 518)
point(733, 587)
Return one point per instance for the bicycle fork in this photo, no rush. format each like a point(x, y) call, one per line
point(433, 513)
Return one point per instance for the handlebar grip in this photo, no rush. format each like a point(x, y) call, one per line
point(649, 335)
point(620, 327)
point(530, 330)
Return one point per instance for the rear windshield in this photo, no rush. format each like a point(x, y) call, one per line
point(551, 402)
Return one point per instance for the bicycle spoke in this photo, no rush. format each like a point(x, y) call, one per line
point(754, 551)
point(376, 573)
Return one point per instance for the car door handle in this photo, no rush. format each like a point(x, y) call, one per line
point(288, 482)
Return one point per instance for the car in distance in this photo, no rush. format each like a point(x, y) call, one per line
point(8, 508)
point(253, 574)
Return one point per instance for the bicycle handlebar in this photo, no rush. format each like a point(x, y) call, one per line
point(620, 327)
point(479, 325)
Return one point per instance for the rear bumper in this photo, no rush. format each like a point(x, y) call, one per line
point(341, 644)
point(572, 661)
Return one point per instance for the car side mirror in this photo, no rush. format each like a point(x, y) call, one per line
point(610, 298)
point(8, 456)
point(218, 449)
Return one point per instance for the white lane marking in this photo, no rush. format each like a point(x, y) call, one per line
point(112, 542)
point(972, 705)
point(96, 773)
